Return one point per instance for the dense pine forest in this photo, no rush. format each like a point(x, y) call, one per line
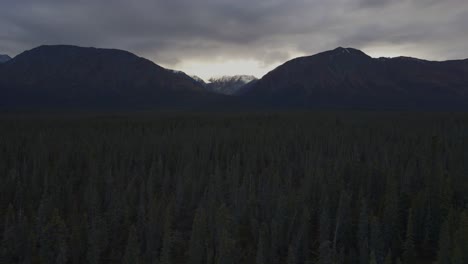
point(261, 188)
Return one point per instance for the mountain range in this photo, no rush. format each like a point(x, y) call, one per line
point(72, 77)
point(228, 85)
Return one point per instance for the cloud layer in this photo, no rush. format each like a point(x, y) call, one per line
point(184, 33)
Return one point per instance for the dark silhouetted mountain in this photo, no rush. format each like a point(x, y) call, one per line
point(75, 77)
point(246, 88)
point(229, 85)
point(4, 58)
point(347, 78)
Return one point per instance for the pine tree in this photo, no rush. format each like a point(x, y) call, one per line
point(225, 243)
point(132, 250)
point(325, 253)
point(388, 258)
point(302, 237)
point(325, 250)
point(8, 250)
point(445, 244)
point(54, 241)
point(429, 232)
point(372, 258)
point(457, 255)
point(363, 234)
point(376, 242)
point(292, 255)
point(153, 235)
point(262, 251)
point(166, 251)
point(460, 253)
point(409, 253)
point(390, 215)
point(341, 217)
point(197, 239)
point(96, 241)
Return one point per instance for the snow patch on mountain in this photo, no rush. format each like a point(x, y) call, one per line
point(229, 85)
point(236, 78)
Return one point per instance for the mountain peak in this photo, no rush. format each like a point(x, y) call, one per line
point(229, 84)
point(347, 51)
point(235, 78)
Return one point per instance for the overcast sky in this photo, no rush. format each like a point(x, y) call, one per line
point(218, 37)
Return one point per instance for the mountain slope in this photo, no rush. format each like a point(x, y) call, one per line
point(350, 78)
point(229, 85)
point(199, 80)
point(4, 58)
point(69, 76)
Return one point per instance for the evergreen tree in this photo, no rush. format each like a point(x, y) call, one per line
point(325, 253)
point(225, 243)
point(13, 237)
point(372, 258)
point(292, 255)
point(341, 218)
point(54, 241)
point(197, 244)
point(166, 251)
point(460, 252)
point(132, 250)
point(388, 258)
point(376, 243)
point(445, 244)
point(409, 253)
point(96, 239)
point(390, 214)
point(262, 250)
point(325, 250)
point(457, 255)
point(363, 234)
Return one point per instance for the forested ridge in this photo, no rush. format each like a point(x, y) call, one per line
point(235, 188)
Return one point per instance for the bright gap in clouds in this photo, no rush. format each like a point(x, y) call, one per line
point(208, 69)
point(229, 67)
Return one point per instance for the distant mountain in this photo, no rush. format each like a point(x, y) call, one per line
point(88, 78)
point(229, 85)
point(4, 58)
point(347, 77)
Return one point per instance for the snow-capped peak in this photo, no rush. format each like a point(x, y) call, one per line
point(229, 84)
point(236, 78)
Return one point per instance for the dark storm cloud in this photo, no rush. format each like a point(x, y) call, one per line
point(269, 31)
